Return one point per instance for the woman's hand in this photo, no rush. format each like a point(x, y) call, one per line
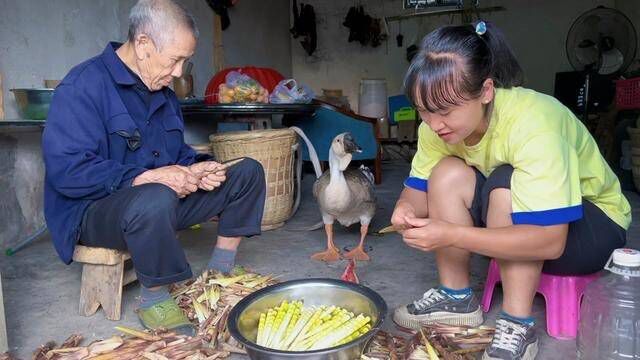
point(402, 211)
point(429, 234)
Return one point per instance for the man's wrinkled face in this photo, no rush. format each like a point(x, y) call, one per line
point(157, 66)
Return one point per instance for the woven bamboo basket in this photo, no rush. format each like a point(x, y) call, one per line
point(274, 149)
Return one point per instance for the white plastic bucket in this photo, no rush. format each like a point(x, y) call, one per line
point(372, 101)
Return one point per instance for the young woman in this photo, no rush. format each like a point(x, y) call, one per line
point(501, 171)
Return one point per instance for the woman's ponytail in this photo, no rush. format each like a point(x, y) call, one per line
point(505, 69)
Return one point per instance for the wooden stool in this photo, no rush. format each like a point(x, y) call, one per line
point(103, 276)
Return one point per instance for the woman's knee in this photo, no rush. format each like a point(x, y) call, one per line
point(452, 175)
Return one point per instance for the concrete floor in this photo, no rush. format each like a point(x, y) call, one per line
point(41, 293)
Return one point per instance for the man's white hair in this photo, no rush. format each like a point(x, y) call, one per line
point(158, 19)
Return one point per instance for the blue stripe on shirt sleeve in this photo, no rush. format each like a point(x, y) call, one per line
point(416, 183)
point(548, 217)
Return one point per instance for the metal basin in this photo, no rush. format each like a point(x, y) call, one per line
point(33, 104)
point(243, 319)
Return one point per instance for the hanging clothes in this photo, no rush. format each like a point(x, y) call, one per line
point(304, 25)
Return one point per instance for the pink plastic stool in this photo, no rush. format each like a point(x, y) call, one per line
point(562, 295)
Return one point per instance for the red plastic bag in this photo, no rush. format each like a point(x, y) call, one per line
point(267, 77)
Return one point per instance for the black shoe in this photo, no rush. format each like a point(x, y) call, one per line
point(512, 341)
point(437, 306)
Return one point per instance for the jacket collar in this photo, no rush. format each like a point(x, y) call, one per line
point(122, 76)
point(116, 66)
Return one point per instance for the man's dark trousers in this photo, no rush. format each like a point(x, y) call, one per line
point(144, 219)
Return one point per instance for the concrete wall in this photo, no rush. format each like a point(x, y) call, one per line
point(44, 39)
point(338, 64)
point(259, 35)
point(536, 31)
point(538, 34)
point(21, 184)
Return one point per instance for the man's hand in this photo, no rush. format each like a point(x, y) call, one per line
point(428, 234)
point(179, 178)
point(402, 211)
point(209, 173)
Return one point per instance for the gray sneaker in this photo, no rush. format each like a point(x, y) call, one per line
point(438, 306)
point(512, 341)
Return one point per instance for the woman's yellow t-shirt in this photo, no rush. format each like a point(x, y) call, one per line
point(556, 161)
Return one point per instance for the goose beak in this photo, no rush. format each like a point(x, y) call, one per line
point(350, 146)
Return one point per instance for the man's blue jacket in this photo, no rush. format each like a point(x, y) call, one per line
point(99, 136)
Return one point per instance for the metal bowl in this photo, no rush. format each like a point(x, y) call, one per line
point(244, 317)
point(33, 104)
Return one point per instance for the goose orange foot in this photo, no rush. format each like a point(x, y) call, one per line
point(329, 255)
point(357, 253)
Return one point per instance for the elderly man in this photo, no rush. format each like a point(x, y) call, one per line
point(119, 175)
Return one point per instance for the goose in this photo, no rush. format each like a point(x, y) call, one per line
point(345, 195)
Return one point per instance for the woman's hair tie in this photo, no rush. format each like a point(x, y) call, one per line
point(481, 28)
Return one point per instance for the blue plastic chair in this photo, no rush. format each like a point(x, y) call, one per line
point(329, 121)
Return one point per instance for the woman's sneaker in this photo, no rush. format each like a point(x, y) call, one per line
point(512, 341)
point(438, 306)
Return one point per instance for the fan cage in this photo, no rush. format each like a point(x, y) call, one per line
point(604, 12)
